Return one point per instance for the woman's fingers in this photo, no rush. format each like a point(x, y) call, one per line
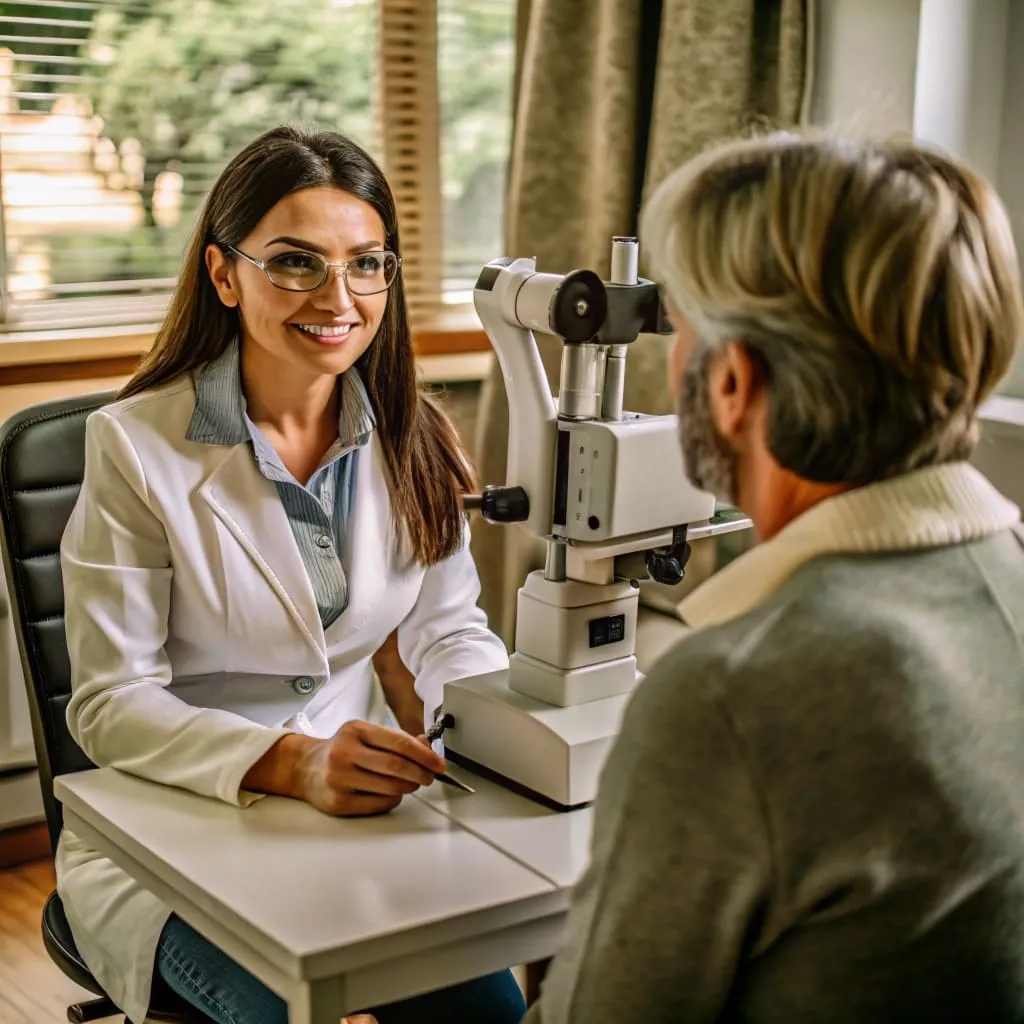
point(400, 743)
point(393, 766)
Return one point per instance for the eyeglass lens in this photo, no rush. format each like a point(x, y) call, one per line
point(305, 271)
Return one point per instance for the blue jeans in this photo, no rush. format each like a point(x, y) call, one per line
point(213, 983)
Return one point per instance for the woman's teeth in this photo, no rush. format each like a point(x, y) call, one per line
point(325, 331)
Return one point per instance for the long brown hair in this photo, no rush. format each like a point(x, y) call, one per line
point(427, 467)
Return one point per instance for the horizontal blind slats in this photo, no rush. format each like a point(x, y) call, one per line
point(95, 211)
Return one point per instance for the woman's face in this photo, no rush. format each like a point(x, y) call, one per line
point(322, 332)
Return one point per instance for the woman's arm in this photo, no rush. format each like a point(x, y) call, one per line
point(399, 686)
point(117, 585)
point(445, 636)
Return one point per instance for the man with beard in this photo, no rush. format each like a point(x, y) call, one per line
point(815, 809)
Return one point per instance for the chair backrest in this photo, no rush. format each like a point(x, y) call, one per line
point(42, 461)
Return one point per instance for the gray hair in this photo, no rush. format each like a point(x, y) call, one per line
point(876, 285)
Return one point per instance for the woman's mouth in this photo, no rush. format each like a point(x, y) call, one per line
point(325, 334)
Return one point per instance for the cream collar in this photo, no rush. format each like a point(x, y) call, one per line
point(933, 507)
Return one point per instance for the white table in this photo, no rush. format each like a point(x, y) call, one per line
point(339, 914)
point(556, 846)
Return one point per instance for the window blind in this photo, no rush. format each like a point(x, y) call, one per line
point(117, 115)
point(409, 133)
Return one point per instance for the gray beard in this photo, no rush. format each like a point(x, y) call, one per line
point(708, 461)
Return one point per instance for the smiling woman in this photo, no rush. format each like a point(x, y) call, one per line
point(270, 509)
point(318, 205)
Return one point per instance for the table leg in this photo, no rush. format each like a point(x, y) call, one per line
point(318, 1002)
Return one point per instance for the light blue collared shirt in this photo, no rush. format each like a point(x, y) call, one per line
point(317, 512)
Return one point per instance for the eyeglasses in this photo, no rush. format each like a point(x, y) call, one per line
point(367, 274)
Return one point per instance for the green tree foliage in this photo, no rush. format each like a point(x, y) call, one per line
point(476, 56)
point(32, 32)
point(194, 82)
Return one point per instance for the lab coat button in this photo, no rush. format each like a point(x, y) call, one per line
point(323, 541)
point(304, 685)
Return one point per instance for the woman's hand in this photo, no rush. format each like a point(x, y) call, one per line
point(365, 769)
point(362, 769)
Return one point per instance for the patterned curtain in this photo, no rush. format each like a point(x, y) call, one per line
point(612, 95)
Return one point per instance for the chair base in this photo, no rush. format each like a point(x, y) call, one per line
point(91, 1009)
point(60, 945)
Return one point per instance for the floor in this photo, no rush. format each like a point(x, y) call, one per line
point(32, 989)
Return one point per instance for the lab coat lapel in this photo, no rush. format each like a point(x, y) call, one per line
point(249, 506)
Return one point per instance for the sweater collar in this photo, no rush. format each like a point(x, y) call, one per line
point(928, 508)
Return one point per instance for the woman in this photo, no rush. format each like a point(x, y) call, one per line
point(269, 503)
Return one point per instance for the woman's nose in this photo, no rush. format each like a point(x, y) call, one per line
point(334, 293)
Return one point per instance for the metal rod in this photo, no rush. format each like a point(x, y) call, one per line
point(625, 270)
point(554, 561)
point(625, 260)
point(614, 383)
point(581, 381)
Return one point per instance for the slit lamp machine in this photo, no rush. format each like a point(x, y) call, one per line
point(605, 489)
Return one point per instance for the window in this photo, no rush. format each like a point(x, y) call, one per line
point(117, 115)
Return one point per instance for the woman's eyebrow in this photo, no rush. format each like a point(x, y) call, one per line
point(303, 243)
point(298, 243)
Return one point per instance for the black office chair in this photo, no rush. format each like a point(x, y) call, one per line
point(42, 460)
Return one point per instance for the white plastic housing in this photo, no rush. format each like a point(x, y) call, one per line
point(533, 418)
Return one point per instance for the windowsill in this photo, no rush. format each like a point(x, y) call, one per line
point(29, 348)
point(455, 335)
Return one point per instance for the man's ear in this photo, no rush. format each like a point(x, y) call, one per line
point(221, 271)
point(736, 384)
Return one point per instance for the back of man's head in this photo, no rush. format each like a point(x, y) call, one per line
point(876, 283)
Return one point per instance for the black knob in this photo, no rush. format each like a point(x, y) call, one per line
point(505, 505)
point(668, 565)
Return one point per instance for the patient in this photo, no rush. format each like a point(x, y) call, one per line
point(815, 810)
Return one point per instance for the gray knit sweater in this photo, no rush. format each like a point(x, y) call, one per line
point(815, 811)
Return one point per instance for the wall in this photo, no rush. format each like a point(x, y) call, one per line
point(1010, 177)
point(958, 101)
point(950, 71)
point(968, 94)
point(865, 64)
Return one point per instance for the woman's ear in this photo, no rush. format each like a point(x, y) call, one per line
point(221, 271)
point(736, 385)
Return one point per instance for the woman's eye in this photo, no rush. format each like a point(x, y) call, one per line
point(297, 263)
point(368, 265)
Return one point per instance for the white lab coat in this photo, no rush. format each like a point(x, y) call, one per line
point(195, 640)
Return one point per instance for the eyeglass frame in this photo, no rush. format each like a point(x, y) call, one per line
point(341, 265)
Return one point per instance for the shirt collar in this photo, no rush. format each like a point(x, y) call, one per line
point(928, 508)
point(220, 417)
